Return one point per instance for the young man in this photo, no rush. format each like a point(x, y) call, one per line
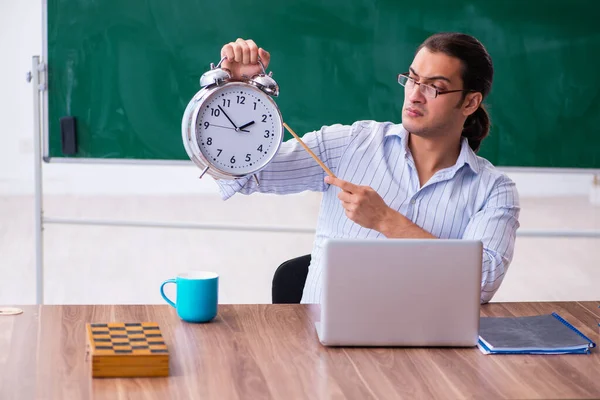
point(420, 179)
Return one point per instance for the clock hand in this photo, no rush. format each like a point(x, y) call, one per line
point(246, 125)
point(224, 127)
point(223, 111)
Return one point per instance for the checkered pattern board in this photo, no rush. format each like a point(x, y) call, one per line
point(120, 338)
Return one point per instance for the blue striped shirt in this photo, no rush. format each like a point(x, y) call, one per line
point(470, 200)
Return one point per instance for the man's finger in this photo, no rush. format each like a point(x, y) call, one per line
point(346, 197)
point(245, 50)
point(350, 215)
point(342, 184)
point(237, 50)
point(227, 50)
point(264, 56)
point(350, 207)
point(253, 51)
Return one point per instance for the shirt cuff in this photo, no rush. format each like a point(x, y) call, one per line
point(228, 188)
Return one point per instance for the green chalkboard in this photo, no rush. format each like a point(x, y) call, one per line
point(127, 69)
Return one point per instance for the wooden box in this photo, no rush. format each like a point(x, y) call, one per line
point(121, 349)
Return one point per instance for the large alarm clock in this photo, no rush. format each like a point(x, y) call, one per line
point(232, 128)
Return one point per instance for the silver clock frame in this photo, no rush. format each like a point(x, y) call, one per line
point(212, 82)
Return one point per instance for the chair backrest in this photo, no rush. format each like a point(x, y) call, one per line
point(289, 280)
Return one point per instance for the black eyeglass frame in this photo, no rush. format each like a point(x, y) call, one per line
point(425, 86)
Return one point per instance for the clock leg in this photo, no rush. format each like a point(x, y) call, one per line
point(256, 179)
point(203, 172)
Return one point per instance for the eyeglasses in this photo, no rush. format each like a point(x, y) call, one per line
point(427, 90)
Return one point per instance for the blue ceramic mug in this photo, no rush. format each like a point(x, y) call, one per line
point(197, 295)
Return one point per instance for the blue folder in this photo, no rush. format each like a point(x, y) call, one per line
point(540, 334)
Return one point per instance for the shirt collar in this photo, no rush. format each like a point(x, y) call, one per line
point(398, 130)
point(467, 155)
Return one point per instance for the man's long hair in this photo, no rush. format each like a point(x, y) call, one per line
point(477, 75)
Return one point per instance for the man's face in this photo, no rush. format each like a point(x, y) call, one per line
point(429, 117)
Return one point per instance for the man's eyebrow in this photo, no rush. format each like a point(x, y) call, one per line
point(431, 78)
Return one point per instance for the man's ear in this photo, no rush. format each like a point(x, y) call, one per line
point(471, 103)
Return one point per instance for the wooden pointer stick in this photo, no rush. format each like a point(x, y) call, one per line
point(309, 151)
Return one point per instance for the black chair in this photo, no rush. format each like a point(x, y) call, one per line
point(289, 280)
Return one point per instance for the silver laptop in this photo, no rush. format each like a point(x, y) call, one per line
point(400, 292)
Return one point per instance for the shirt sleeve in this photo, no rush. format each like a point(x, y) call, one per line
point(496, 225)
point(293, 170)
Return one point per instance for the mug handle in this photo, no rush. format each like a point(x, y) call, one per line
point(162, 291)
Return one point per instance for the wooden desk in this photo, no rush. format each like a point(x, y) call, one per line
point(272, 351)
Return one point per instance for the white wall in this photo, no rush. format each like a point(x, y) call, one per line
point(21, 38)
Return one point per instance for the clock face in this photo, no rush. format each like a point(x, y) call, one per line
point(239, 129)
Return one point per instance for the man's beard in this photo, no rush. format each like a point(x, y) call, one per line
point(429, 131)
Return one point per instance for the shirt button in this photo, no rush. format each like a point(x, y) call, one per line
point(413, 201)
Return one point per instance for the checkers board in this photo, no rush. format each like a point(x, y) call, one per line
point(121, 349)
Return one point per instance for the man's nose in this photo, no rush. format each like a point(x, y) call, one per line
point(415, 95)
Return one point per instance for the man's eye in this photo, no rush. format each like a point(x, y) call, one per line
point(439, 89)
